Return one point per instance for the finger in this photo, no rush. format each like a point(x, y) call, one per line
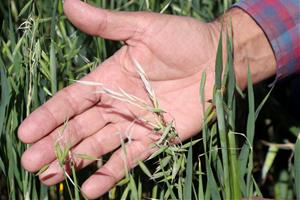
point(70, 101)
point(104, 23)
point(65, 104)
point(81, 126)
point(113, 171)
point(104, 141)
point(97, 145)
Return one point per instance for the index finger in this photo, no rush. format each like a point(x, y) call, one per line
point(67, 103)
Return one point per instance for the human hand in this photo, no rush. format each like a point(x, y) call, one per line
point(174, 51)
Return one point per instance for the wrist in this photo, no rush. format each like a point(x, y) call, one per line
point(251, 47)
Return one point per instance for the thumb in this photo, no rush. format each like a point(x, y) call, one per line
point(104, 23)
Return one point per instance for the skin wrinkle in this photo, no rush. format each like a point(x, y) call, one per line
point(197, 29)
point(181, 87)
point(114, 112)
point(119, 115)
point(79, 162)
point(101, 27)
point(55, 165)
point(96, 146)
point(71, 134)
point(131, 161)
point(211, 38)
point(148, 40)
point(106, 171)
point(104, 119)
point(127, 116)
point(132, 132)
point(72, 130)
point(120, 58)
point(75, 131)
point(35, 156)
point(182, 79)
point(96, 96)
point(140, 30)
point(49, 112)
point(67, 95)
point(136, 76)
point(127, 156)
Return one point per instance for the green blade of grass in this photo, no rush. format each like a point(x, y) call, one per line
point(212, 191)
point(297, 166)
point(133, 188)
point(154, 192)
point(234, 167)
point(243, 160)
point(87, 157)
point(223, 141)
point(5, 95)
point(76, 187)
point(263, 102)
point(53, 61)
point(2, 166)
point(163, 163)
point(158, 152)
point(140, 189)
point(125, 192)
point(43, 169)
point(25, 8)
point(272, 152)
point(219, 64)
point(202, 97)
point(282, 186)
point(145, 169)
point(123, 182)
point(179, 188)
point(193, 142)
point(231, 82)
point(250, 132)
point(187, 191)
point(251, 115)
point(176, 167)
point(112, 193)
point(200, 182)
point(169, 186)
point(257, 189)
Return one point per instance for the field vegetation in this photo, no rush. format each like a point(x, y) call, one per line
point(248, 146)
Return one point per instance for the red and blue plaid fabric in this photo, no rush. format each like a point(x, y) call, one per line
point(280, 20)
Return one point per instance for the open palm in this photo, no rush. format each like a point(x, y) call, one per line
point(173, 51)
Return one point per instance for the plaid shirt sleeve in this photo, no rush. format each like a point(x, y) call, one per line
point(280, 20)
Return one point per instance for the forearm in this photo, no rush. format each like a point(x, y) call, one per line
point(251, 47)
point(267, 37)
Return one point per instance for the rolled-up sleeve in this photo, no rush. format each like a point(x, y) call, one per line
point(280, 20)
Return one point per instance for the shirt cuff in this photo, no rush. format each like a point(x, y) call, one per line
point(280, 20)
